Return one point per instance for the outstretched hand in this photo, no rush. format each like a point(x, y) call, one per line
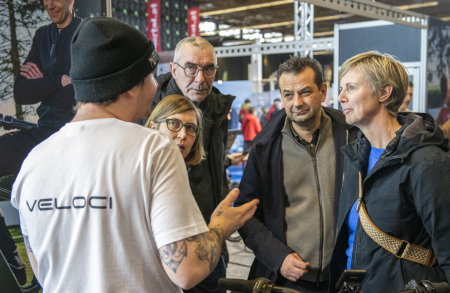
point(31, 71)
point(232, 218)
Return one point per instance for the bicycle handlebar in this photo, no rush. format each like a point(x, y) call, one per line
point(8, 122)
point(260, 285)
point(237, 284)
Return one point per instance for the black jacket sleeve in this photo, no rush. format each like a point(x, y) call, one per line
point(268, 249)
point(32, 91)
point(431, 186)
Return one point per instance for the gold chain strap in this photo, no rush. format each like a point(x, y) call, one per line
point(411, 252)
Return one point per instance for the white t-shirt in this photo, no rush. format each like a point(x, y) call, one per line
point(97, 200)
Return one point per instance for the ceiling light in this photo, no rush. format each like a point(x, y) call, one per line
point(419, 5)
point(242, 8)
point(322, 34)
point(447, 18)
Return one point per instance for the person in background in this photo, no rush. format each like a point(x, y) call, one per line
point(250, 127)
point(407, 100)
point(394, 206)
point(295, 170)
point(118, 197)
point(43, 78)
point(244, 110)
point(178, 117)
point(272, 108)
point(276, 108)
point(262, 118)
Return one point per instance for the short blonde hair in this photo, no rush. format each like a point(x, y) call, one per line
point(175, 104)
point(380, 70)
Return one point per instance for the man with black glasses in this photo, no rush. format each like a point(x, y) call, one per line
point(192, 74)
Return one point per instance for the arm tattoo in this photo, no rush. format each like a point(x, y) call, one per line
point(27, 244)
point(208, 249)
point(172, 255)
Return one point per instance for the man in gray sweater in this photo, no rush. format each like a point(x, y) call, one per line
point(295, 169)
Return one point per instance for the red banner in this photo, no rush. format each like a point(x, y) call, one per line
point(154, 22)
point(193, 21)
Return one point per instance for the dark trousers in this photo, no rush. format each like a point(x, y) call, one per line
point(15, 146)
point(304, 286)
point(9, 250)
point(210, 284)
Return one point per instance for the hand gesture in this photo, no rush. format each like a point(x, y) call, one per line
point(293, 267)
point(231, 218)
point(31, 71)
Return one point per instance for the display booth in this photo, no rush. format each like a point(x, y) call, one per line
point(408, 44)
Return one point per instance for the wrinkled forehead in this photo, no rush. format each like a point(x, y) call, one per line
point(200, 55)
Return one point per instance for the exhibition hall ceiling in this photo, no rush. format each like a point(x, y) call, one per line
point(241, 21)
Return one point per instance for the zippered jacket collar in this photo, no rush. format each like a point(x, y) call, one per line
point(418, 130)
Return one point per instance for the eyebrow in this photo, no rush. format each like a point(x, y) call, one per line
point(301, 90)
point(193, 64)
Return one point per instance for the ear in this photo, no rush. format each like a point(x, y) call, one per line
point(173, 69)
point(386, 93)
point(152, 125)
point(323, 92)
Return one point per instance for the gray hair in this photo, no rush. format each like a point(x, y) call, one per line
point(198, 42)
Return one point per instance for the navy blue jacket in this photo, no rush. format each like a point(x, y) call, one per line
point(50, 51)
point(406, 195)
point(264, 233)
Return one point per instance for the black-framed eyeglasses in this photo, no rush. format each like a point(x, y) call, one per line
point(192, 70)
point(175, 125)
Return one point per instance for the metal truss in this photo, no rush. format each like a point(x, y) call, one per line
point(304, 23)
point(375, 10)
point(276, 48)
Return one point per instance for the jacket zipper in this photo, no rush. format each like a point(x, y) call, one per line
point(321, 220)
point(316, 175)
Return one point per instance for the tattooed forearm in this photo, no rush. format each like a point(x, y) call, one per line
point(27, 244)
point(208, 246)
point(208, 249)
point(173, 254)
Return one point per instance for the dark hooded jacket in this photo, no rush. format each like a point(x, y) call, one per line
point(406, 195)
point(208, 180)
point(265, 233)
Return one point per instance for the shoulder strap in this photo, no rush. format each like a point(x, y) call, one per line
point(400, 248)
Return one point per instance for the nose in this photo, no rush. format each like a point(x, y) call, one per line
point(341, 96)
point(182, 133)
point(298, 101)
point(200, 78)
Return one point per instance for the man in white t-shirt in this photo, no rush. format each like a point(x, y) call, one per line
point(105, 204)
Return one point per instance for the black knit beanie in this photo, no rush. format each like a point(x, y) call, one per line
point(109, 58)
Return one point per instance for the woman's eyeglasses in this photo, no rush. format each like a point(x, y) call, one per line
point(175, 125)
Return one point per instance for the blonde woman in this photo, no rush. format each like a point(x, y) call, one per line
point(178, 117)
point(397, 175)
